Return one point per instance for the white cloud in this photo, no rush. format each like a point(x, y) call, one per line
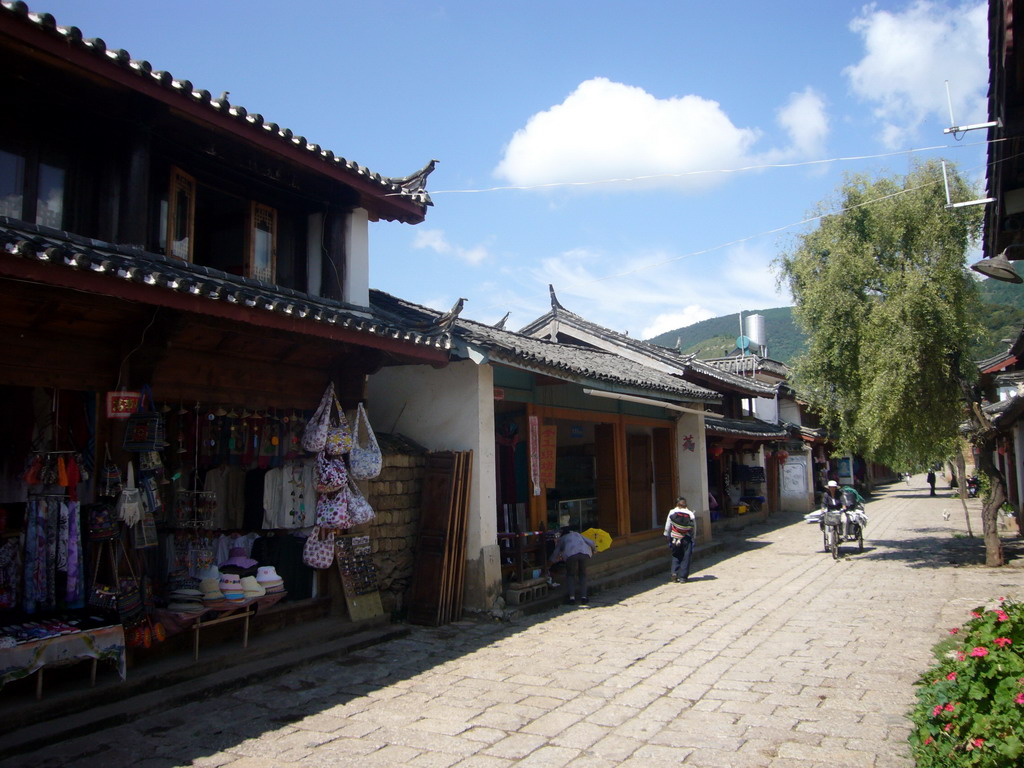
point(908, 58)
point(805, 120)
point(607, 130)
point(435, 240)
point(670, 321)
point(626, 294)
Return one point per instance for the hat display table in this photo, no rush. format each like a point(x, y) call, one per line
point(100, 644)
point(214, 613)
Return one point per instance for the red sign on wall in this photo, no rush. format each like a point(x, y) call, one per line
point(548, 446)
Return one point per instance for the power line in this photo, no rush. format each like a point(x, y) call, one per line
point(682, 174)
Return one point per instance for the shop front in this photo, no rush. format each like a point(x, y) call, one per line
point(745, 457)
point(202, 407)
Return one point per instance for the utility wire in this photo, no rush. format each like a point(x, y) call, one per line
point(705, 172)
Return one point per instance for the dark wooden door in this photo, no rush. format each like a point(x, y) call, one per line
point(607, 508)
point(641, 478)
point(664, 473)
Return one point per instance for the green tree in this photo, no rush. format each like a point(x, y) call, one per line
point(882, 291)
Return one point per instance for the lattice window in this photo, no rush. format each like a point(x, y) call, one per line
point(263, 243)
point(181, 215)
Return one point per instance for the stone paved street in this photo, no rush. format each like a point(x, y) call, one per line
point(773, 655)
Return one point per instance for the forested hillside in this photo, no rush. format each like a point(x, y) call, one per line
point(1002, 318)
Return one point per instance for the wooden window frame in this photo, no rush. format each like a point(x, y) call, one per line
point(256, 211)
point(180, 179)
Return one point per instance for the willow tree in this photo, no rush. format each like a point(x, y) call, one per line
point(882, 290)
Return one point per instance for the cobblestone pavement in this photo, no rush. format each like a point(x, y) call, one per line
point(772, 655)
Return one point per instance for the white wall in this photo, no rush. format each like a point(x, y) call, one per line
point(451, 409)
point(357, 259)
point(692, 469)
point(796, 482)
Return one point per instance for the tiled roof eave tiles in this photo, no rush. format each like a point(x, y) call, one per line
point(172, 89)
point(63, 250)
point(565, 317)
point(754, 429)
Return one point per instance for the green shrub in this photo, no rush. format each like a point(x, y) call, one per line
point(970, 704)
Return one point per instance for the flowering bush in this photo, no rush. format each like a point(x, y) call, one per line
point(970, 704)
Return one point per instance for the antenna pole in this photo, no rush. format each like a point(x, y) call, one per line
point(945, 181)
point(949, 102)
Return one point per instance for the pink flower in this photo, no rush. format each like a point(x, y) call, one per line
point(978, 742)
point(951, 676)
point(949, 707)
point(1019, 699)
point(980, 651)
point(976, 614)
point(1002, 642)
point(954, 630)
point(928, 741)
point(947, 727)
point(1002, 615)
point(937, 710)
point(960, 656)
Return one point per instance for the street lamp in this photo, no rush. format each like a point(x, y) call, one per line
point(998, 268)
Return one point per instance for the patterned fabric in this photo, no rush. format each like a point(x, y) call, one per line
point(359, 508)
point(318, 551)
point(314, 437)
point(365, 462)
point(331, 473)
point(332, 510)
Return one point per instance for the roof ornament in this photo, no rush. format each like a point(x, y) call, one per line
point(555, 305)
point(414, 183)
point(443, 322)
point(679, 343)
point(500, 325)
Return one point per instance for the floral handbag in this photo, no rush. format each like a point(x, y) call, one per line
point(364, 461)
point(314, 437)
point(332, 510)
point(331, 474)
point(318, 551)
point(339, 436)
point(359, 508)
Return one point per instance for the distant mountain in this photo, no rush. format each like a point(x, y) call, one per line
point(1002, 318)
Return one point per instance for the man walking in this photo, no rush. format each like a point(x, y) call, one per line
point(931, 481)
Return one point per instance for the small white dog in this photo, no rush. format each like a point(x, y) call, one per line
point(945, 515)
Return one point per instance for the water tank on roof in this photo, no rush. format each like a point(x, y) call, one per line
point(755, 331)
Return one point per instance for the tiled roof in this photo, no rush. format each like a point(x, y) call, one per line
point(175, 89)
point(751, 428)
point(750, 364)
point(565, 361)
point(684, 363)
point(63, 250)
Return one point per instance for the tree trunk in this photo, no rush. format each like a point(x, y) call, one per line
point(994, 502)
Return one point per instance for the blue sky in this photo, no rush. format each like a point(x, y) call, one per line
point(650, 159)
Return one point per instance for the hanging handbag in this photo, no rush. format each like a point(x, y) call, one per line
point(331, 474)
point(339, 436)
point(318, 551)
point(332, 510)
point(359, 508)
point(129, 503)
point(145, 428)
point(365, 461)
point(102, 521)
point(314, 436)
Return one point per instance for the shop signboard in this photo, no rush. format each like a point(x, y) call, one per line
point(548, 444)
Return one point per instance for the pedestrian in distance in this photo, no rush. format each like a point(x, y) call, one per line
point(931, 481)
point(575, 549)
point(679, 528)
